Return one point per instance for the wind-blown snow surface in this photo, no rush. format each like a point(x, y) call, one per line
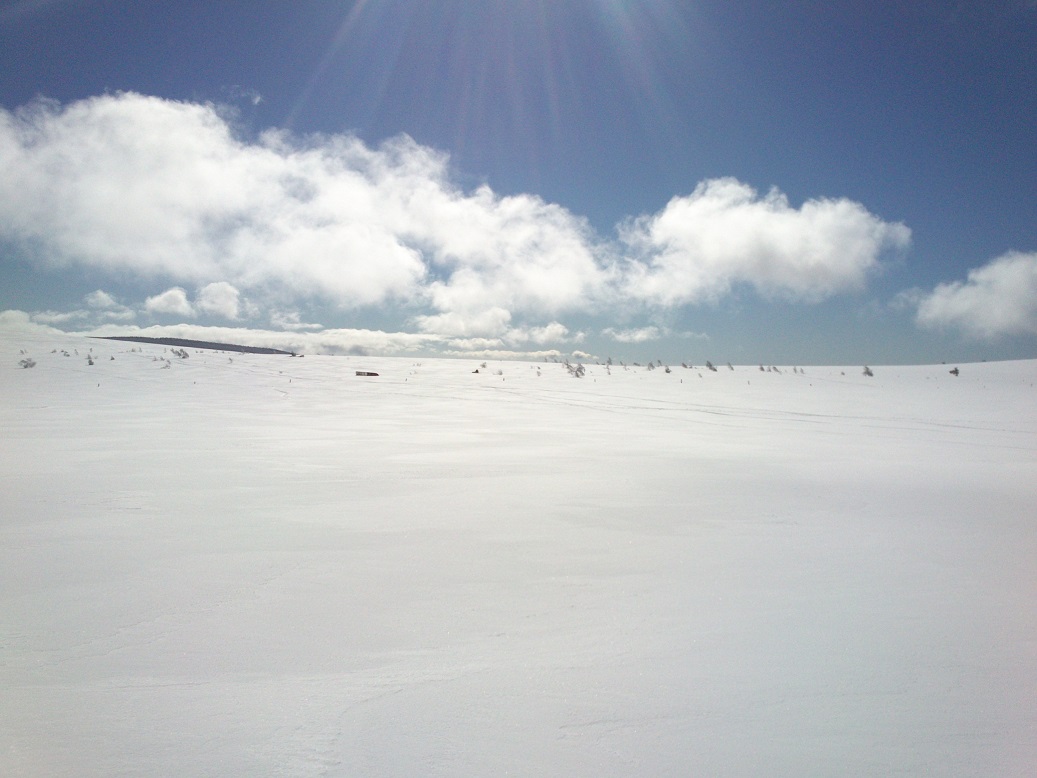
point(257, 565)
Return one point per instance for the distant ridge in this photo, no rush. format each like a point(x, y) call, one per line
point(185, 343)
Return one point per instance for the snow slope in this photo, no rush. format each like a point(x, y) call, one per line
point(243, 565)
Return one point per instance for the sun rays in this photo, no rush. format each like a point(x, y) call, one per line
point(518, 80)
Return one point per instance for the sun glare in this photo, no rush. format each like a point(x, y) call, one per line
point(498, 73)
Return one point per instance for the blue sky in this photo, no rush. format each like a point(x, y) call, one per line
point(779, 182)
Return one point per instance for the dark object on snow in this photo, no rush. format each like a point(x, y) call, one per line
point(184, 342)
point(365, 373)
point(953, 372)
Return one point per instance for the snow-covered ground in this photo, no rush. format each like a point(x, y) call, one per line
point(238, 565)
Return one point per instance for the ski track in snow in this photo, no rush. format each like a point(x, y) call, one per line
point(238, 564)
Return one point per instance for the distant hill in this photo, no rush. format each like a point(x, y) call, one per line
point(185, 343)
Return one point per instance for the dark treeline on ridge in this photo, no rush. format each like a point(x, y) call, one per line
point(185, 343)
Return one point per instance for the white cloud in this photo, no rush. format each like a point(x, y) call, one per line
point(157, 189)
point(488, 323)
point(129, 183)
point(105, 307)
point(84, 317)
point(997, 299)
point(219, 299)
point(120, 314)
point(516, 253)
point(102, 307)
point(172, 301)
point(291, 320)
point(22, 322)
point(465, 345)
point(494, 353)
point(101, 300)
point(724, 234)
point(490, 329)
point(638, 335)
point(58, 317)
point(555, 332)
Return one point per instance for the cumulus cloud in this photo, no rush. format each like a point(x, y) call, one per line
point(156, 187)
point(103, 305)
point(489, 323)
point(516, 253)
point(172, 301)
point(996, 300)
point(162, 188)
point(101, 300)
point(219, 299)
point(165, 191)
point(724, 234)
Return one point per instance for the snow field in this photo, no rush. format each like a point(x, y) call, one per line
point(251, 564)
